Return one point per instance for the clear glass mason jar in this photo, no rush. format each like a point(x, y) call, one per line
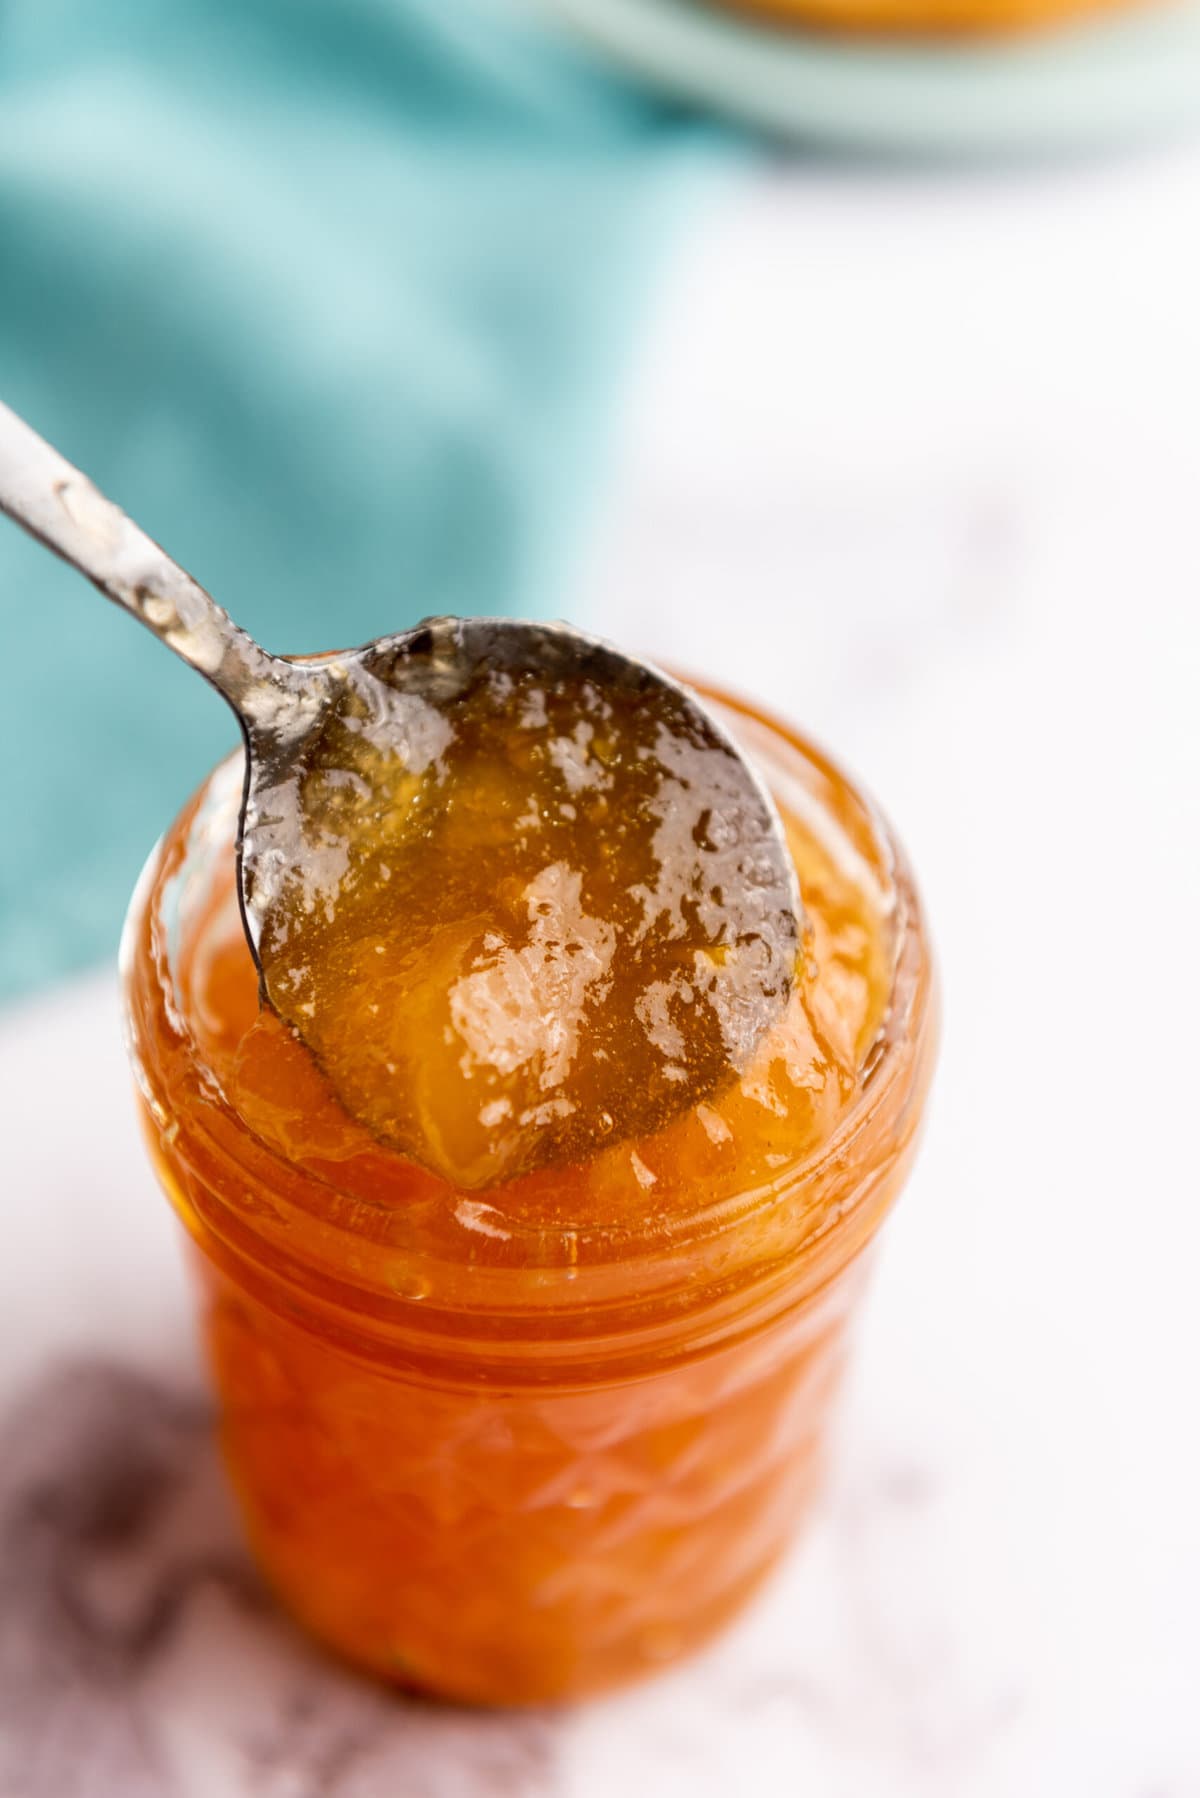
point(507, 1453)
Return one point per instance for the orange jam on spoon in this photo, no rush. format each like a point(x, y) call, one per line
point(550, 918)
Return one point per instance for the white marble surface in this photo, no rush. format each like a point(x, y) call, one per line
point(919, 464)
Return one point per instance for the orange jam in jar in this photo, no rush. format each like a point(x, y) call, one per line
point(521, 1442)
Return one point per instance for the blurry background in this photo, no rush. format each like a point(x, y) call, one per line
point(909, 453)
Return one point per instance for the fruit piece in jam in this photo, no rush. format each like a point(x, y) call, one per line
point(551, 922)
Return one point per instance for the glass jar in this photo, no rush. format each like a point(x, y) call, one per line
point(510, 1447)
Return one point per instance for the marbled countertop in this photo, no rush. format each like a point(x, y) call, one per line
point(918, 464)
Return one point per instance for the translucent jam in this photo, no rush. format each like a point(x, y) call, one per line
point(521, 1441)
point(540, 912)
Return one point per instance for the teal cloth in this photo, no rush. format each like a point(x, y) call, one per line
point(331, 296)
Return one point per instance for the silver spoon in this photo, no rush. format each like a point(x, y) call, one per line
point(324, 736)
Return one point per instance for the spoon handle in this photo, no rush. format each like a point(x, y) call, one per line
point(57, 504)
